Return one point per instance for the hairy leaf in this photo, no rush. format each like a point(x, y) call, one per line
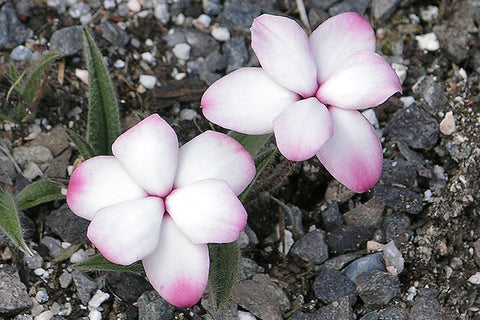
point(262, 162)
point(82, 144)
point(253, 144)
point(37, 193)
point(224, 260)
point(99, 263)
point(9, 221)
point(103, 125)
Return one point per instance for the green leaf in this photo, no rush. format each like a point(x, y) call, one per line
point(82, 144)
point(224, 260)
point(37, 193)
point(34, 84)
point(100, 263)
point(103, 125)
point(253, 144)
point(262, 162)
point(9, 221)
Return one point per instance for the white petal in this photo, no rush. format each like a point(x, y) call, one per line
point(365, 80)
point(283, 50)
point(354, 154)
point(246, 100)
point(129, 231)
point(336, 39)
point(149, 153)
point(302, 129)
point(207, 211)
point(100, 182)
point(177, 269)
point(214, 155)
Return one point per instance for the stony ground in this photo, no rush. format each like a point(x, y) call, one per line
point(408, 249)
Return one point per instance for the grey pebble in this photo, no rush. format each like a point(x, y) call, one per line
point(311, 248)
point(7, 169)
point(394, 313)
point(126, 285)
point(399, 199)
point(33, 262)
point(68, 226)
point(239, 14)
point(12, 31)
point(426, 306)
point(113, 34)
point(331, 284)
point(13, 293)
point(202, 43)
point(21, 53)
point(347, 238)
point(340, 309)
point(395, 226)
point(53, 245)
point(152, 307)
point(368, 214)
point(377, 288)
point(398, 172)
point(68, 41)
point(358, 6)
point(236, 53)
point(248, 268)
point(364, 264)
point(428, 88)
point(212, 7)
point(331, 218)
point(384, 9)
point(84, 286)
point(322, 4)
point(65, 279)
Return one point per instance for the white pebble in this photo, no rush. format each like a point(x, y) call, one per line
point(119, 64)
point(79, 256)
point(46, 315)
point(428, 42)
point(475, 279)
point(204, 20)
point(181, 51)
point(407, 101)
point(99, 298)
point(148, 81)
point(95, 315)
point(429, 13)
point(39, 272)
point(148, 57)
point(288, 242)
point(220, 33)
point(82, 75)
point(149, 43)
point(400, 70)
point(188, 114)
point(134, 5)
point(371, 117)
point(42, 296)
point(447, 125)
point(109, 4)
point(242, 315)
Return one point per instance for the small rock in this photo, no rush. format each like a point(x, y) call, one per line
point(68, 41)
point(151, 306)
point(84, 285)
point(78, 9)
point(331, 218)
point(384, 9)
point(337, 310)
point(393, 258)
point(340, 262)
point(220, 33)
point(371, 316)
point(331, 284)
point(21, 53)
point(94, 315)
point(428, 88)
point(98, 298)
point(67, 225)
point(337, 192)
point(212, 7)
point(33, 262)
point(242, 315)
point(42, 296)
point(65, 279)
point(40, 155)
point(79, 256)
point(181, 51)
point(147, 81)
point(377, 288)
point(394, 313)
point(398, 172)
point(364, 264)
point(7, 169)
point(475, 279)
point(400, 70)
point(429, 13)
point(358, 6)
point(239, 14)
point(161, 11)
point(236, 53)
point(426, 306)
point(322, 4)
point(395, 226)
point(202, 43)
point(311, 248)
point(126, 285)
point(13, 293)
point(399, 199)
point(456, 41)
point(368, 214)
point(248, 268)
point(428, 42)
point(12, 31)
point(447, 125)
point(46, 315)
point(347, 238)
point(113, 34)
point(262, 297)
point(109, 4)
point(215, 61)
point(53, 245)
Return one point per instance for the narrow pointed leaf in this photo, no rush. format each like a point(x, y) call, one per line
point(85, 149)
point(37, 193)
point(103, 119)
point(9, 221)
point(224, 260)
point(252, 143)
point(99, 263)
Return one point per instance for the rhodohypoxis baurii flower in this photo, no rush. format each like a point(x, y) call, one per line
point(154, 202)
point(308, 93)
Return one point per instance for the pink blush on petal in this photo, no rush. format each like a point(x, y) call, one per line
point(75, 188)
point(183, 293)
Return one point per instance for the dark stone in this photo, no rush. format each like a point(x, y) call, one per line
point(396, 226)
point(215, 61)
point(298, 315)
point(371, 316)
point(428, 89)
point(153, 307)
point(384, 9)
point(212, 7)
point(68, 226)
point(398, 172)
point(322, 4)
point(332, 218)
point(394, 313)
point(358, 6)
point(68, 41)
point(338, 310)
point(413, 126)
point(248, 268)
point(426, 306)
point(127, 286)
point(399, 199)
point(455, 41)
point(331, 284)
point(347, 238)
point(12, 31)
point(377, 288)
point(239, 14)
point(368, 214)
point(202, 43)
point(113, 34)
point(364, 264)
point(84, 285)
point(311, 248)
point(236, 52)
point(14, 297)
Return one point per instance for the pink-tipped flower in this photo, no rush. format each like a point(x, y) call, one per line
point(308, 93)
point(154, 202)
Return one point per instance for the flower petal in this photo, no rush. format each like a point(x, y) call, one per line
point(336, 39)
point(149, 153)
point(207, 211)
point(128, 231)
point(354, 154)
point(177, 269)
point(302, 129)
point(283, 50)
point(214, 155)
point(246, 100)
point(365, 80)
point(99, 182)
